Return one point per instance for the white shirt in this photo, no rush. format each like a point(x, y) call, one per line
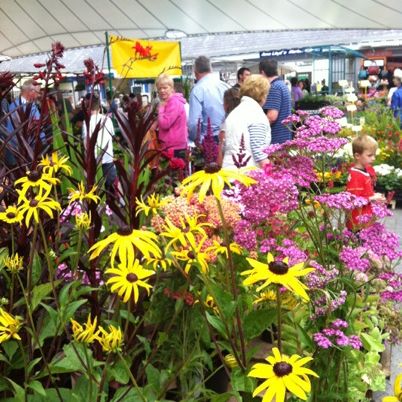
point(105, 136)
point(247, 120)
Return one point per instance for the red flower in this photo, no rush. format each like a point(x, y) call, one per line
point(57, 49)
point(177, 163)
point(39, 65)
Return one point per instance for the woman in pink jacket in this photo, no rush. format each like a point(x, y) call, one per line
point(172, 119)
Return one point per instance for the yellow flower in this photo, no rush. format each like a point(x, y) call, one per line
point(111, 341)
point(36, 180)
point(283, 373)
point(269, 295)
point(193, 256)
point(152, 205)
point(125, 241)
point(31, 208)
point(163, 262)
point(9, 326)
point(11, 215)
point(81, 195)
point(53, 164)
point(214, 178)
point(83, 221)
point(397, 397)
point(230, 361)
point(14, 263)
point(184, 234)
point(218, 248)
point(277, 272)
point(127, 279)
point(86, 334)
point(289, 302)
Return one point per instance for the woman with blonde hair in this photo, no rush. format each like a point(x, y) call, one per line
point(247, 130)
point(172, 119)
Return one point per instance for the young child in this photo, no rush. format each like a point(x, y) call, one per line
point(362, 178)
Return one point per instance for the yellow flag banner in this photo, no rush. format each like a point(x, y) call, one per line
point(136, 58)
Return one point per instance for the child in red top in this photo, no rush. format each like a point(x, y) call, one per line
point(362, 178)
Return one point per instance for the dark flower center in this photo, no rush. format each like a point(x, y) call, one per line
point(212, 167)
point(281, 369)
point(278, 267)
point(33, 203)
point(125, 231)
point(132, 277)
point(191, 255)
point(34, 175)
point(11, 215)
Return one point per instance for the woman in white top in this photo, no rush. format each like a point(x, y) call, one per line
point(248, 123)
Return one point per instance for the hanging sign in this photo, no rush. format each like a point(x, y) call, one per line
point(137, 58)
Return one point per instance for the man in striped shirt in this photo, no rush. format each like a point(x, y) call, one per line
point(278, 104)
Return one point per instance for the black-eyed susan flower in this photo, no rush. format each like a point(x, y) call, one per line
point(213, 178)
point(83, 221)
point(282, 374)
point(125, 242)
point(152, 204)
point(111, 341)
point(31, 207)
point(218, 248)
point(193, 257)
point(127, 279)
point(81, 194)
point(184, 234)
point(163, 262)
point(288, 299)
point(41, 182)
point(9, 326)
point(14, 263)
point(87, 333)
point(52, 164)
point(397, 397)
point(277, 272)
point(11, 215)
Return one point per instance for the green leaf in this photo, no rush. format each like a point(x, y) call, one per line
point(36, 268)
point(33, 363)
point(223, 299)
point(257, 321)
point(226, 396)
point(119, 373)
point(153, 376)
point(40, 292)
point(10, 348)
point(240, 381)
point(216, 323)
point(126, 394)
point(71, 362)
point(70, 309)
point(37, 387)
point(52, 395)
point(3, 256)
point(19, 392)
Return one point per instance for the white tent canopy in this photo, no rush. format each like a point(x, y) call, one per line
point(30, 26)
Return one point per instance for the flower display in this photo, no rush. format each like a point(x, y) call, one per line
point(128, 278)
point(9, 326)
point(42, 182)
point(87, 333)
point(11, 215)
point(14, 263)
point(111, 341)
point(213, 178)
point(152, 204)
point(125, 242)
point(81, 194)
point(277, 272)
point(55, 162)
point(282, 374)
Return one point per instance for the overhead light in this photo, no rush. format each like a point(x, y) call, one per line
point(175, 34)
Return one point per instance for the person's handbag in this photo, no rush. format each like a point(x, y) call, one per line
point(373, 69)
point(362, 74)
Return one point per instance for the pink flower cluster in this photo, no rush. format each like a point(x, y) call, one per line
point(323, 306)
point(381, 242)
point(393, 290)
point(320, 278)
point(273, 193)
point(288, 249)
point(354, 258)
point(331, 111)
point(65, 273)
point(343, 200)
point(73, 209)
point(334, 336)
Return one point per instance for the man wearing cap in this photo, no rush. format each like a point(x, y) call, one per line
point(396, 100)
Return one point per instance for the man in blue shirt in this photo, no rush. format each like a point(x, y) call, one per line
point(278, 104)
point(396, 100)
point(206, 100)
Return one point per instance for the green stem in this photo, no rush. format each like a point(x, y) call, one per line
point(103, 378)
point(278, 306)
point(36, 338)
point(233, 283)
point(26, 375)
point(134, 382)
point(89, 368)
point(77, 259)
point(30, 263)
